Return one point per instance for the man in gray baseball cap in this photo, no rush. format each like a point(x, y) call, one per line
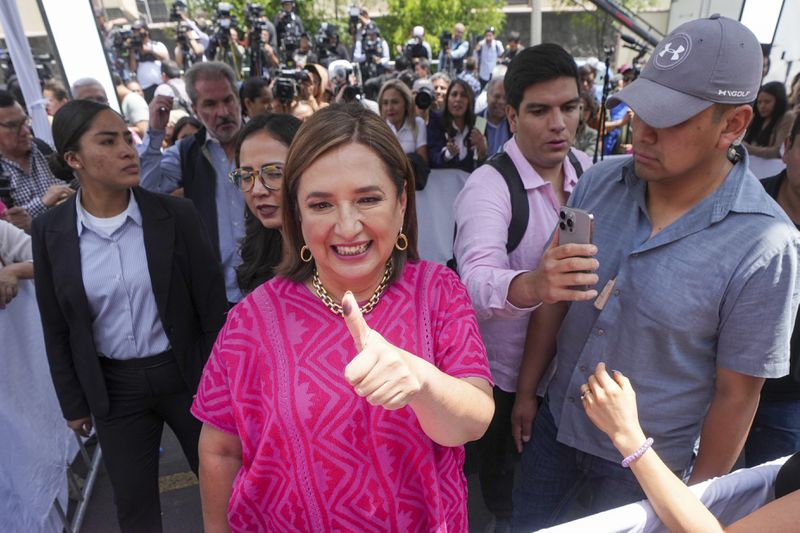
point(697, 287)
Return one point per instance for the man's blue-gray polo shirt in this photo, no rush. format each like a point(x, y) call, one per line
point(718, 287)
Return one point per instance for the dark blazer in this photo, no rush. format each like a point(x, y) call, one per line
point(437, 140)
point(187, 282)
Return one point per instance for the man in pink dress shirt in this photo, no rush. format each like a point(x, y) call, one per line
point(542, 91)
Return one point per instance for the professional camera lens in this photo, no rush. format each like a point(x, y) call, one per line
point(424, 98)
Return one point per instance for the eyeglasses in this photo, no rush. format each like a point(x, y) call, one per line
point(16, 125)
point(270, 174)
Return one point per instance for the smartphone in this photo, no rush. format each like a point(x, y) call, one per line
point(480, 124)
point(575, 226)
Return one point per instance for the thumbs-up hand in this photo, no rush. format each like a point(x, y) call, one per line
point(382, 373)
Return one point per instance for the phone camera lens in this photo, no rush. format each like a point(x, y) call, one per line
point(563, 215)
point(562, 225)
point(570, 223)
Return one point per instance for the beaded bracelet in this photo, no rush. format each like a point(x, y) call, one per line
point(638, 453)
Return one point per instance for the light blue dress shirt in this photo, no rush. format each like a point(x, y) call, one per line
point(162, 173)
point(716, 288)
point(125, 320)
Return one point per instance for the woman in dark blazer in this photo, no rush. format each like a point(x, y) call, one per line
point(453, 139)
point(131, 298)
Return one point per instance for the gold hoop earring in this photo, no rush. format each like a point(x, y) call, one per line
point(304, 258)
point(402, 242)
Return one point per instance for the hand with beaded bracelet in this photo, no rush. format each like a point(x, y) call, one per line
point(610, 404)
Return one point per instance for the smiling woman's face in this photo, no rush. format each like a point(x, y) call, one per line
point(351, 215)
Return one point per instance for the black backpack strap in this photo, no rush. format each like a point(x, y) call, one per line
point(520, 210)
point(573, 159)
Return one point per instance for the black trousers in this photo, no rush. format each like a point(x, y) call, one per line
point(495, 455)
point(143, 394)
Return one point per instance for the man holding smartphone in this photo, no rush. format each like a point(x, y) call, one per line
point(506, 281)
point(698, 286)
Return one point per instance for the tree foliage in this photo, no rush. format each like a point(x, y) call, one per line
point(437, 16)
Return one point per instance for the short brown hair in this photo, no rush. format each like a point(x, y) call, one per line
point(329, 128)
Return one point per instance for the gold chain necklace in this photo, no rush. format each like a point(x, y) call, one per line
point(336, 308)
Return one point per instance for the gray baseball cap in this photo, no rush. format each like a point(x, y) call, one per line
point(700, 63)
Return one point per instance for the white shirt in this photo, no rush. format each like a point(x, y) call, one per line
point(488, 57)
point(406, 136)
point(15, 244)
point(149, 72)
point(460, 138)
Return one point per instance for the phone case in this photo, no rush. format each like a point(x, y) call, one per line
point(575, 226)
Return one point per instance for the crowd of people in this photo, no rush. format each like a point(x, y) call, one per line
point(237, 258)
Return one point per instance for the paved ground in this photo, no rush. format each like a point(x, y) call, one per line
point(180, 497)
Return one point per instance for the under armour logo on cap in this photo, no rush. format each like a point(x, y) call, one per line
point(676, 54)
point(673, 52)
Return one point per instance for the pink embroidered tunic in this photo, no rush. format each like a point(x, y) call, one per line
point(316, 456)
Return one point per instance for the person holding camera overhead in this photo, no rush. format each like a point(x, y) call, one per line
point(146, 58)
point(453, 140)
point(288, 28)
point(190, 41)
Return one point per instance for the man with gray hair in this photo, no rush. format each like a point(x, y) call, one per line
point(498, 130)
point(451, 57)
point(89, 89)
point(200, 163)
point(693, 293)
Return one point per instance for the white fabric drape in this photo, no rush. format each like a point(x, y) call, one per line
point(21, 56)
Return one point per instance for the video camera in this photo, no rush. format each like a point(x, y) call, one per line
point(352, 23)
point(415, 49)
point(287, 84)
point(423, 98)
point(445, 38)
point(224, 20)
point(288, 30)
point(325, 35)
point(178, 9)
point(341, 72)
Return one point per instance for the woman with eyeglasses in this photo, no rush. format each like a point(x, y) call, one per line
point(260, 155)
point(340, 393)
point(131, 297)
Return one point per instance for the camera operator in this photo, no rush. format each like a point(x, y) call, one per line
point(190, 41)
point(145, 59)
point(287, 89)
point(288, 28)
point(359, 19)
point(261, 42)
point(304, 55)
point(416, 47)
point(347, 86)
point(224, 45)
point(512, 49)
point(453, 50)
point(371, 53)
point(328, 46)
